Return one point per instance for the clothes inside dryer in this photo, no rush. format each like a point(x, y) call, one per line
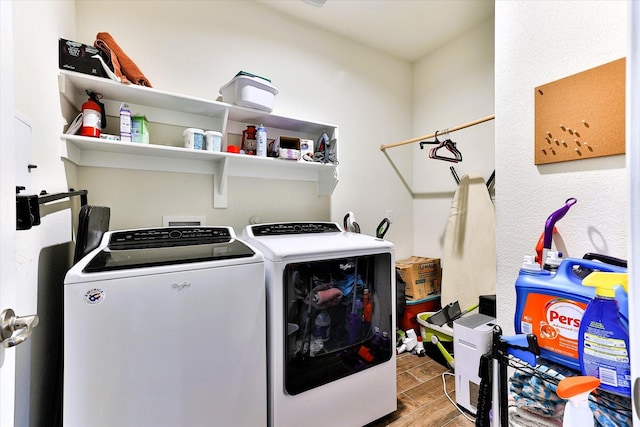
point(333, 304)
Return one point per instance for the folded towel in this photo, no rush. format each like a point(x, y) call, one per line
point(537, 394)
point(520, 417)
point(123, 66)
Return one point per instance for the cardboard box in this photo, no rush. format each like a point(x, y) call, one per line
point(288, 154)
point(288, 142)
point(77, 57)
point(306, 147)
point(287, 147)
point(422, 275)
point(140, 129)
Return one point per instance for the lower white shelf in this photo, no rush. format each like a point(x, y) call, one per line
point(94, 152)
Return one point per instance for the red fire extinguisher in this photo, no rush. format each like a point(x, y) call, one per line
point(93, 115)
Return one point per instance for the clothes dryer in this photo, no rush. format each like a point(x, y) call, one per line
point(166, 327)
point(331, 324)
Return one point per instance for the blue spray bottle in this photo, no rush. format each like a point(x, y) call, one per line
point(603, 341)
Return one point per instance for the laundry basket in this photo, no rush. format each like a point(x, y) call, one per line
point(441, 336)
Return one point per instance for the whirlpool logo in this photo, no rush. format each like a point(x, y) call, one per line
point(180, 286)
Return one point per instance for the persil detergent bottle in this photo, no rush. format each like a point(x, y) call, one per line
point(551, 305)
point(603, 337)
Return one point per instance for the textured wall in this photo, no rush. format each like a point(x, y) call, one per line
point(537, 43)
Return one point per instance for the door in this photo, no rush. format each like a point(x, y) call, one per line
point(7, 208)
point(633, 171)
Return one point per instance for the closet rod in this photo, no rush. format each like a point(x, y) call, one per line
point(453, 129)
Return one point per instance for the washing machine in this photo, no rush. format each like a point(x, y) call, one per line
point(331, 324)
point(166, 327)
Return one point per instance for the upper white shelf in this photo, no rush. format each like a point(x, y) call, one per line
point(176, 109)
point(73, 85)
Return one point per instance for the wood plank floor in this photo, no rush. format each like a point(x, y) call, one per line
point(421, 398)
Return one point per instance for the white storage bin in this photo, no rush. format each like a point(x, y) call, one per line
point(252, 92)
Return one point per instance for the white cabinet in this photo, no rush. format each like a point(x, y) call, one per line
point(168, 114)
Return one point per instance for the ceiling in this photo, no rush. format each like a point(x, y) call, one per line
point(405, 29)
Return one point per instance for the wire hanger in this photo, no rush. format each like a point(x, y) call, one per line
point(448, 144)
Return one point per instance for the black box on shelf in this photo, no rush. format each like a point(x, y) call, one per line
point(76, 56)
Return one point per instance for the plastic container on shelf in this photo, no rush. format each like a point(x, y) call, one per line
point(250, 91)
point(213, 140)
point(193, 138)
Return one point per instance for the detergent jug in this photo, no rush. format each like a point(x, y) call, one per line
point(551, 305)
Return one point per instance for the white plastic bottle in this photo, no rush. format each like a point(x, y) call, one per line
point(577, 412)
point(261, 140)
point(125, 122)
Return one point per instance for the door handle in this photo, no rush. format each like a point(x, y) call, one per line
point(636, 395)
point(22, 326)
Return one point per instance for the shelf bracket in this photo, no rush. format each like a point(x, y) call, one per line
point(220, 175)
point(327, 181)
point(28, 206)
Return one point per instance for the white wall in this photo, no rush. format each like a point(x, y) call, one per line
point(537, 43)
point(452, 85)
point(195, 47)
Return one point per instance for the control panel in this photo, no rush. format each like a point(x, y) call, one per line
point(170, 236)
point(284, 228)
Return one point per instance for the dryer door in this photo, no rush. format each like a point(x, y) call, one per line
point(338, 320)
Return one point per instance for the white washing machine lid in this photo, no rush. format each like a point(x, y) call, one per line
point(126, 253)
point(286, 241)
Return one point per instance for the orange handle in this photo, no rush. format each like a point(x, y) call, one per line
point(540, 247)
point(573, 386)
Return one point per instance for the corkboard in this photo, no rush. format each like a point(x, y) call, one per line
point(581, 116)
